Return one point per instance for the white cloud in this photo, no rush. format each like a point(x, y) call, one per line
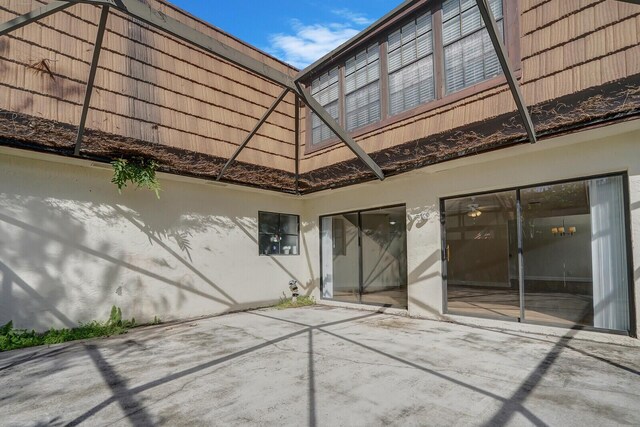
point(351, 16)
point(309, 42)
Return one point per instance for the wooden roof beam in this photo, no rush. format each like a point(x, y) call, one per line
point(501, 51)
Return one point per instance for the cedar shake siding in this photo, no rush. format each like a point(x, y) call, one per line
point(578, 63)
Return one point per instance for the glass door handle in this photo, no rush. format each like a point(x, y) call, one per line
point(448, 253)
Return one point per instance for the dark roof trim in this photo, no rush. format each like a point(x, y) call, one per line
point(386, 21)
point(607, 104)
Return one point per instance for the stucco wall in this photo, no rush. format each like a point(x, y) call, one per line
point(605, 150)
point(71, 247)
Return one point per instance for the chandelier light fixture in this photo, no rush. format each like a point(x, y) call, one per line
point(563, 231)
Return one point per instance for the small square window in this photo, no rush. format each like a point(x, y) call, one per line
point(279, 234)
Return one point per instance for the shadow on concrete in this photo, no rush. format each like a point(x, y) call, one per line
point(564, 342)
point(514, 405)
point(126, 399)
point(130, 401)
point(125, 396)
point(32, 357)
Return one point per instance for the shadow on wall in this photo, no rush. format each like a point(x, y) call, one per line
point(314, 279)
point(420, 216)
point(50, 78)
point(307, 286)
point(63, 256)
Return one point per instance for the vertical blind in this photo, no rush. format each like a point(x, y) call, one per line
point(362, 88)
point(469, 57)
point(325, 89)
point(410, 65)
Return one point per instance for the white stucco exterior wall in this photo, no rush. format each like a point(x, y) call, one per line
point(71, 246)
point(601, 151)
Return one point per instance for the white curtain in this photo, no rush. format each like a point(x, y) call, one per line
point(327, 257)
point(609, 254)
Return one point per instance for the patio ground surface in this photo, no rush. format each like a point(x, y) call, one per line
point(323, 366)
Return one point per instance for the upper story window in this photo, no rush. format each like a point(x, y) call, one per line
point(326, 90)
point(362, 88)
point(436, 52)
point(410, 65)
point(469, 57)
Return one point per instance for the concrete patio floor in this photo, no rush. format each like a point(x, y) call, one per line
point(322, 366)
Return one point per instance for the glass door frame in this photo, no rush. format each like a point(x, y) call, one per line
point(522, 319)
point(359, 212)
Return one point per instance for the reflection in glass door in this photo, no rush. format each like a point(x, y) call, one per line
point(340, 258)
point(364, 257)
point(481, 253)
point(575, 254)
point(573, 268)
point(384, 255)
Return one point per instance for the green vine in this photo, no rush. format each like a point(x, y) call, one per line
point(136, 171)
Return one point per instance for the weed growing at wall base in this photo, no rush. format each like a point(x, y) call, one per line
point(12, 339)
point(302, 301)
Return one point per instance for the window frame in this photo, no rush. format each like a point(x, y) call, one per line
point(461, 37)
point(413, 21)
point(297, 235)
point(366, 51)
point(632, 332)
point(359, 212)
point(337, 101)
point(511, 14)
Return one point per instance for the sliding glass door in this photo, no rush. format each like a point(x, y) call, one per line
point(575, 254)
point(558, 285)
point(364, 257)
point(384, 257)
point(481, 248)
point(341, 257)
point(573, 268)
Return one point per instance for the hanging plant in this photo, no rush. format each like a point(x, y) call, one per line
point(136, 171)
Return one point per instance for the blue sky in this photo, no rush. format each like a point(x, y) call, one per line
point(296, 31)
